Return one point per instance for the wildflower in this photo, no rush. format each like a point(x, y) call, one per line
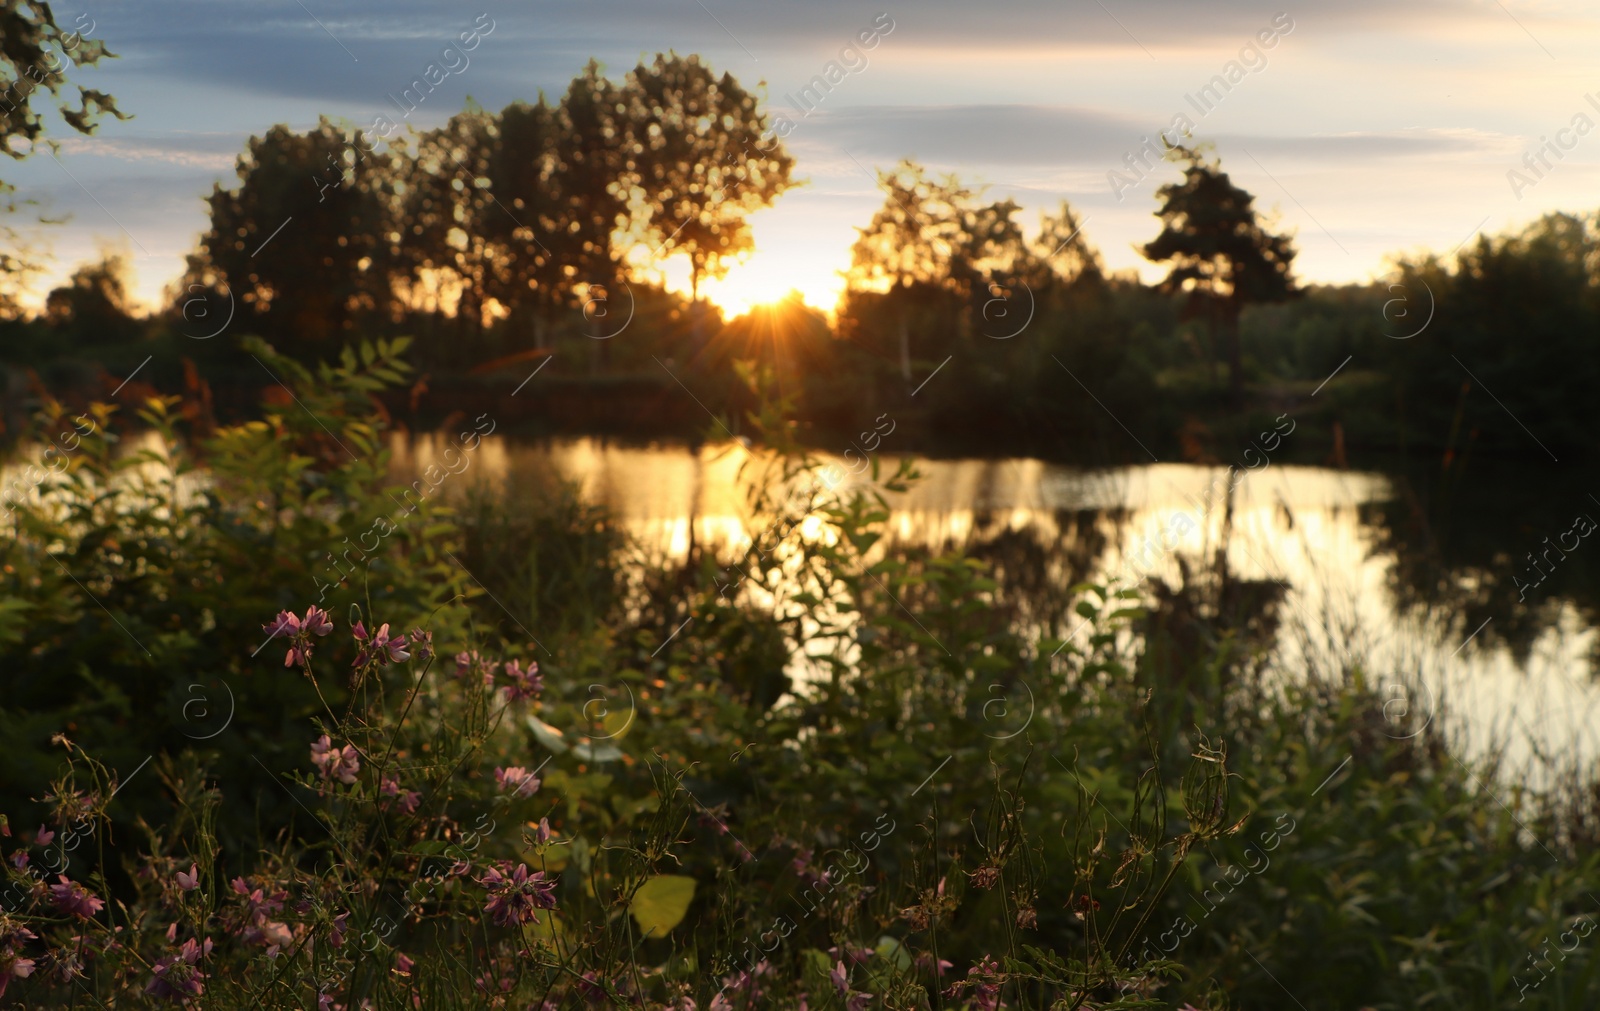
point(336, 932)
point(525, 684)
point(179, 977)
point(518, 780)
point(19, 859)
point(298, 631)
point(841, 978)
point(409, 799)
point(316, 621)
point(379, 646)
point(402, 964)
point(43, 837)
point(341, 763)
point(984, 979)
point(926, 962)
point(71, 897)
point(423, 643)
point(543, 832)
point(190, 881)
point(513, 896)
point(275, 935)
point(284, 624)
point(13, 967)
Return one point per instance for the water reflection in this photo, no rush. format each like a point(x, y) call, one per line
point(1335, 546)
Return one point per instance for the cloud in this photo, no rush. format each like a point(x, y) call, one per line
point(128, 149)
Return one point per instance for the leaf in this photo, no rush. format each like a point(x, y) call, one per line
point(892, 951)
point(597, 753)
point(661, 902)
point(548, 736)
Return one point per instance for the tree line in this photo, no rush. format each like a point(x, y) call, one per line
point(500, 237)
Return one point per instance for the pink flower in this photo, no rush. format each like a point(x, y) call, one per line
point(284, 624)
point(13, 967)
point(841, 978)
point(190, 881)
point(543, 832)
point(402, 964)
point(514, 895)
point(342, 764)
point(43, 837)
point(518, 780)
point(409, 799)
point(178, 977)
point(525, 684)
point(71, 897)
point(316, 621)
point(336, 932)
point(379, 646)
point(423, 643)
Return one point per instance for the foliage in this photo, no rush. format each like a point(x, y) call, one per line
point(821, 768)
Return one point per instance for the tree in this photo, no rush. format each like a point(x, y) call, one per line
point(30, 70)
point(303, 243)
point(593, 162)
point(451, 221)
point(1221, 256)
point(93, 307)
point(700, 166)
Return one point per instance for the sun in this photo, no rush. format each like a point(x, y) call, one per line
point(788, 257)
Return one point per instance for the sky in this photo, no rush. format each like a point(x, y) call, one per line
point(1367, 129)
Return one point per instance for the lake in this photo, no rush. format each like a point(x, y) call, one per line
point(1341, 545)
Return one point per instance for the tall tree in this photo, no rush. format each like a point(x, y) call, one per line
point(34, 50)
point(1222, 258)
point(916, 240)
point(450, 221)
point(523, 178)
point(701, 167)
point(303, 241)
point(593, 167)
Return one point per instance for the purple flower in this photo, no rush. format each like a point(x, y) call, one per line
point(402, 964)
point(525, 684)
point(518, 780)
point(299, 632)
point(316, 621)
point(71, 897)
point(841, 978)
point(423, 644)
point(13, 967)
point(284, 624)
point(380, 646)
point(409, 799)
point(543, 833)
point(514, 895)
point(342, 764)
point(190, 881)
point(178, 977)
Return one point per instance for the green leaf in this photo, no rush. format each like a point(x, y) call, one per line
point(661, 902)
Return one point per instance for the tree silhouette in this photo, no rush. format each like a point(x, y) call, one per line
point(31, 70)
point(303, 242)
point(93, 307)
point(449, 221)
point(1221, 256)
point(695, 151)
